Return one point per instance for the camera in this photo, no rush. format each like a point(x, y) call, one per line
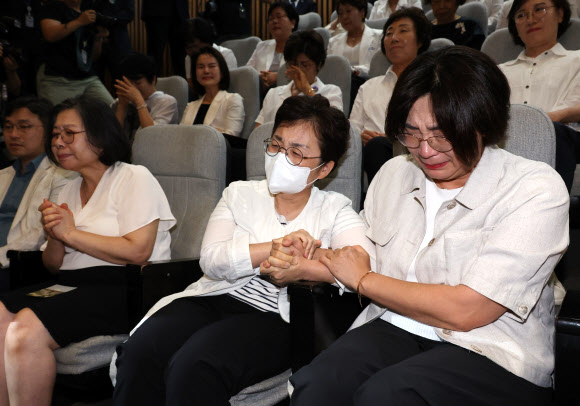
point(102, 19)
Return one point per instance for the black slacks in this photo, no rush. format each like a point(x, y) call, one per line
point(375, 153)
point(200, 351)
point(380, 364)
point(567, 152)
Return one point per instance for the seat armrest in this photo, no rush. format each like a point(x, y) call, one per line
point(568, 350)
point(149, 283)
point(568, 319)
point(318, 316)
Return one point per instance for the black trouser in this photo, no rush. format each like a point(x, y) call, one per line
point(160, 31)
point(380, 364)
point(200, 351)
point(567, 152)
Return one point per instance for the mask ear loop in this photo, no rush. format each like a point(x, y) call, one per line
point(308, 184)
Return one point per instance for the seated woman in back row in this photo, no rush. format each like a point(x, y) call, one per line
point(113, 214)
point(306, 55)
point(460, 30)
point(406, 34)
point(230, 329)
point(216, 107)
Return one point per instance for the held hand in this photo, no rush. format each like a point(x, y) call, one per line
point(282, 276)
point(88, 17)
point(347, 264)
point(268, 78)
point(58, 221)
point(367, 135)
point(302, 243)
point(126, 89)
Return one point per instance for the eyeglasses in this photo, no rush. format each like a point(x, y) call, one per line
point(538, 13)
point(66, 135)
point(293, 155)
point(437, 142)
point(24, 128)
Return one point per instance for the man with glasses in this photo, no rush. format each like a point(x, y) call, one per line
point(545, 74)
point(30, 179)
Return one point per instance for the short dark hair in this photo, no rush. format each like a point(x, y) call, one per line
point(330, 125)
point(41, 108)
point(358, 4)
point(224, 71)
point(201, 29)
point(459, 2)
point(309, 43)
point(102, 128)
point(422, 26)
point(469, 94)
point(288, 9)
point(562, 27)
point(136, 66)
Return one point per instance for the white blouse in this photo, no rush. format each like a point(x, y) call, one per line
point(127, 198)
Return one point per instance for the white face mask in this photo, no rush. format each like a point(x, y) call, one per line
point(284, 177)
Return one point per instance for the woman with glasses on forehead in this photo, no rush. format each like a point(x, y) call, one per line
point(467, 236)
point(230, 329)
point(306, 55)
point(545, 74)
point(113, 214)
point(268, 56)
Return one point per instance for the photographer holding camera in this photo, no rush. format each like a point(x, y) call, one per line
point(10, 75)
point(74, 40)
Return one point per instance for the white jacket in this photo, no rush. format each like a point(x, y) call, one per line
point(26, 233)
point(262, 57)
point(370, 43)
point(225, 114)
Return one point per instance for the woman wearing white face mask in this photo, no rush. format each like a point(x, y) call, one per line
point(230, 329)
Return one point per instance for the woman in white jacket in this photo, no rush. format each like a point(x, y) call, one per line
point(216, 107)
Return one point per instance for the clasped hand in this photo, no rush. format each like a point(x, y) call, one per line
point(348, 264)
point(287, 256)
point(57, 220)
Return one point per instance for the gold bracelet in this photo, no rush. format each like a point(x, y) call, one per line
point(358, 288)
point(141, 107)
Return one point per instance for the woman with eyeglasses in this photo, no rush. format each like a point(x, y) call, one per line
point(306, 55)
point(545, 74)
point(268, 56)
point(113, 214)
point(230, 329)
point(467, 236)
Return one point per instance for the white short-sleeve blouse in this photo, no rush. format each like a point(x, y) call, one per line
point(127, 198)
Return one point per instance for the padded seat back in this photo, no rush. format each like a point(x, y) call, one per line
point(177, 87)
point(190, 164)
point(246, 82)
point(242, 48)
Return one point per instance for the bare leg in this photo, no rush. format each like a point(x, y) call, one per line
point(5, 318)
point(30, 365)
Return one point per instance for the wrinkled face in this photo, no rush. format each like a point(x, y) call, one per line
point(444, 10)
point(207, 71)
point(444, 168)
point(351, 18)
point(24, 135)
point(401, 44)
point(79, 154)
point(279, 25)
point(535, 29)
